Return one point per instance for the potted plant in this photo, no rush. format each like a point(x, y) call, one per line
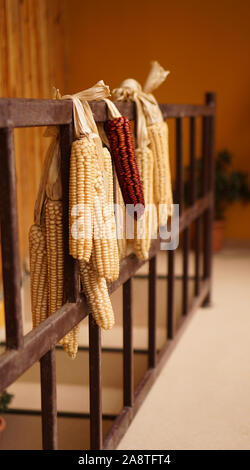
point(5, 399)
point(229, 186)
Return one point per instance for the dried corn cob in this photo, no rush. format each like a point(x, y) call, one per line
point(55, 257)
point(158, 135)
point(70, 342)
point(109, 216)
point(54, 244)
point(105, 256)
point(143, 229)
point(83, 154)
point(96, 291)
point(38, 274)
point(123, 153)
point(120, 222)
point(108, 175)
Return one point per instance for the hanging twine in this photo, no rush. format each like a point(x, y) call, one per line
point(84, 125)
point(147, 108)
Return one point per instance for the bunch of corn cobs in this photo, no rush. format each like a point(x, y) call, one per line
point(92, 223)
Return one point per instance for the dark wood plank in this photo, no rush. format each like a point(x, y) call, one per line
point(60, 414)
point(71, 282)
point(128, 363)
point(195, 211)
point(48, 400)
point(192, 176)
point(20, 112)
point(170, 294)
point(185, 110)
point(152, 355)
point(204, 165)
point(13, 363)
point(95, 385)
point(204, 189)
point(9, 241)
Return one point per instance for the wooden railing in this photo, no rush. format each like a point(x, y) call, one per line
point(39, 345)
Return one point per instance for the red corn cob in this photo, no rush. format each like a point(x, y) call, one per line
point(123, 154)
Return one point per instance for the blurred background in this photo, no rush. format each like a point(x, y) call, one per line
point(71, 44)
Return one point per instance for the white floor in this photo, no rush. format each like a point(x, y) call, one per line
point(202, 398)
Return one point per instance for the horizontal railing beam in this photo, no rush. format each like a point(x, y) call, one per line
point(46, 335)
point(23, 112)
point(131, 264)
point(13, 363)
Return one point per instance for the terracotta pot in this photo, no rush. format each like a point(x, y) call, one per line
point(2, 425)
point(218, 235)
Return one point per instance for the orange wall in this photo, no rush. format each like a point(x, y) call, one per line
point(205, 45)
point(31, 61)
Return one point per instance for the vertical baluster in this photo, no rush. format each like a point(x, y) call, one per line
point(180, 201)
point(204, 189)
point(152, 313)
point(185, 271)
point(170, 295)
point(179, 196)
point(204, 156)
point(192, 182)
point(197, 238)
point(95, 384)
point(192, 196)
point(209, 214)
point(48, 398)
point(9, 241)
point(128, 366)
point(71, 287)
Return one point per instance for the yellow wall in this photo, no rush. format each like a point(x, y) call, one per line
point(31, 62)
point(205, 44)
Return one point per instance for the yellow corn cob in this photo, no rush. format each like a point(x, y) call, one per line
point(38, 274)
point(54, 241)
point(105, 256)
point(107, 163)
point(143, 227)
point(96, 291)
point(54, 244)
point(121, 221)
point(158, 136)
point(109, 216)
point(70, 342)
point(83, 155)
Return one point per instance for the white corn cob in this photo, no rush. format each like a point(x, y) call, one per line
point(158, 136)
point(105, 256)
point(38, 274)
point(96, 291)
point(81, 196)
point(120, 222)
point(70, 342)
point(143, 228)
point(110, 216)
point(55, 257)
